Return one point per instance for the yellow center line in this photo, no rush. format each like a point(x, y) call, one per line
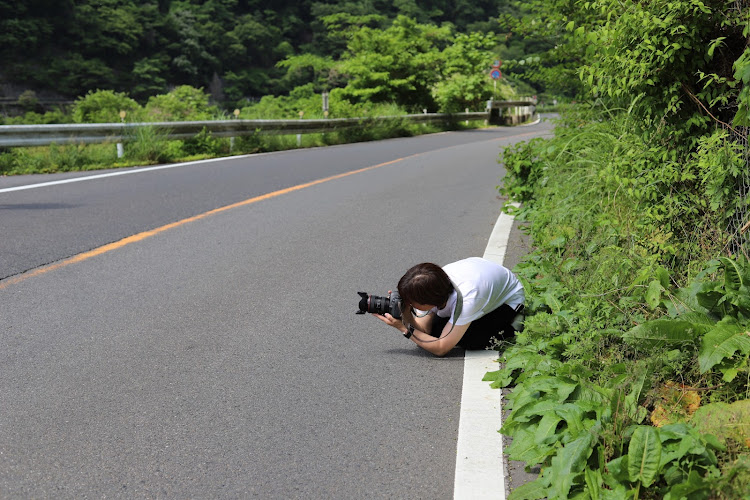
point(146, 234)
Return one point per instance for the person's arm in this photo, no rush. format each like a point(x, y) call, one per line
point(437, 346)
point(423, 324)
point(440, 346)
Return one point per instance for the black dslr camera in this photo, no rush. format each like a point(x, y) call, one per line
point(391, 304)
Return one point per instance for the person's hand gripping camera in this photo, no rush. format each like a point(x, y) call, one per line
point(390, 310)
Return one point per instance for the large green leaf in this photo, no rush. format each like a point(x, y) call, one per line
point(644, 455)
point(546, 430)
point(733, 278)
point(579, 416)
point(499, 378)
point(662, 332)
point(725, 339)
point(557, 387)
point(533, 410)
point(594, 482)
point(694, 487)
point(523, 447)
point(685, 300)
point(636, 412)
point(569, 463)
point(617, 471)
point(699, 318)
point(653, 294)
point(529, 491)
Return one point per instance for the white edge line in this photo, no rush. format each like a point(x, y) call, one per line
point(136, 170)
point(480, 473)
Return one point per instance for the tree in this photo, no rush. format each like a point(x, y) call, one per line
point(538, 49)
point(144, 47)
point(309, 68)
point(465, 79)
point(675, 58)
point(191, 60)
point(108, 26)
point(148, 76)
point(400, 64)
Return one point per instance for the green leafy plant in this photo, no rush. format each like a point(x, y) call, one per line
point(636, 291)
point(104, 106)
point(673, 460)
point(606, 313)
point(204, 143)
point(465, 83)
point(147, 144)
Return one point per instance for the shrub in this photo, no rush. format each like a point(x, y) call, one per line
point(104, 106)
point(184, 103)
point(204, 143)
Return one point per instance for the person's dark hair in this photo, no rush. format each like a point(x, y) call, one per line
point(425, 283)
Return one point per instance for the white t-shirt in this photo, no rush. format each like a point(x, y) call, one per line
point(484, 285)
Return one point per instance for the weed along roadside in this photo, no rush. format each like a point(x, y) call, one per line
point(516, 475)
point(631, 375)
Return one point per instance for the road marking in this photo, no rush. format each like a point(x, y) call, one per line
point(146, 234)
point(140, 236)
point(479, 452)
point(115, 174)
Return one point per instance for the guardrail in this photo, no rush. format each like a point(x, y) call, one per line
point(91, 133)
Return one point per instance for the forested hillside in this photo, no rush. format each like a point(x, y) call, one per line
point(231, 48)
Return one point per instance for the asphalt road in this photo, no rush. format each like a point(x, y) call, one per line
point(221, 357)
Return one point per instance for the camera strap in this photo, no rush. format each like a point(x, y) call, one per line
point(458, 308)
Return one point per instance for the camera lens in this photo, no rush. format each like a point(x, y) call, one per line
point(380, 305)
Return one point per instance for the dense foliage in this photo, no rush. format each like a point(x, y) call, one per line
point(631, 378)
point(65, 49)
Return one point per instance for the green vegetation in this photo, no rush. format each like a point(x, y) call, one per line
point(236, 50)
point(631, 378)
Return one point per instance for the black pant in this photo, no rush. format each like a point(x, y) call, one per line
point(493, 325)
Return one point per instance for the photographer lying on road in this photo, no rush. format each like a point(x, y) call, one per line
point(466, 303)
